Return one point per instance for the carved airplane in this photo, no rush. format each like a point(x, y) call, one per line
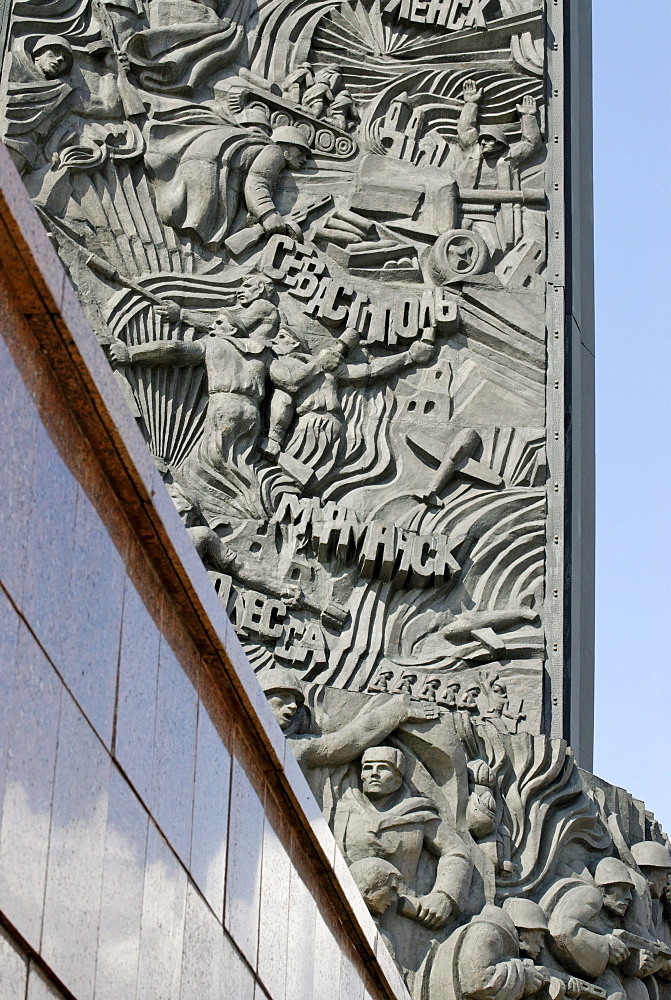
point(453, 460)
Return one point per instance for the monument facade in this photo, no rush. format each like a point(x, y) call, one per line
point(338, 255)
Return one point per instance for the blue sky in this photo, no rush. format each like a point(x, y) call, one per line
point(632, 175)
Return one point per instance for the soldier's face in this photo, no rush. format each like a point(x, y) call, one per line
point(658, 879)
point(379, 779)
point(284, 343)
point(379, 900)
point(51, 63)
point(222, 326)
point(284, 706)
point(531, 942)
point(249, 292)
point(490, 146)
point(294, 156)
point(616, 897)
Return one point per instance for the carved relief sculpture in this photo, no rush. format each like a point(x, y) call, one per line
point(312, 239)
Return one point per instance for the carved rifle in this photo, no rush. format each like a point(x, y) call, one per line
point(561, 984)
point(637, 943)
point(574, 988)
point(133, 106)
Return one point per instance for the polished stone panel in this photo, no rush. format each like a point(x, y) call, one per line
point(163, 911)
point(326, 983)
point(243, 883)
point(274, 918)
point(89, 666)
point(209, 833)
point(122, 889)
point(235, 974)
point(202, 963)
point(9, 637)
point(301, 954)
point(76, 853)
point(17, 456)
point(13, 969)
point(50, 543)
point(136, 699)
point(351, 983)
point(29, 788)
point(39, 987)
point(174, 752)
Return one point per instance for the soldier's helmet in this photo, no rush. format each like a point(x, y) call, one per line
point(279, 679)
point(494, 132)
point(612, 871)
point(526, 915)
point(292, 136)
point(54, 42)
point(650, 854)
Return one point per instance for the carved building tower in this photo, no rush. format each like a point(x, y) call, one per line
point(338, 255)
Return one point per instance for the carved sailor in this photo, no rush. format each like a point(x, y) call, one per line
point(491, 162)
point(586, 921)
point(386, 819)
point(482, 960)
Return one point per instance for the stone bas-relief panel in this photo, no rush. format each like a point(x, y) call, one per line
point(311, 239)
point(491, 865)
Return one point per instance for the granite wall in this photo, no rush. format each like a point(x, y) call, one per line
point(154, 840)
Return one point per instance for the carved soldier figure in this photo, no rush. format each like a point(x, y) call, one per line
point(482, 961)
point(586, 922)
point(491, 162)
point(378, 882)
point(236, 366)
point(318, 755)
point(308, 387)
point(203, 166)
point(48, 104)
point(297, 82)
point(342, 111)
point(252, 313)
point(385, 819)
point(646, 916)
point(319, 97)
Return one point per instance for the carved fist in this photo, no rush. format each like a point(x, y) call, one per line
point(420, 352)
point(270, 448)
point(471, 93)
point(170, 311)
point(329, 361)
point(119, 353)
point(646, 960)
point(273, 223)
point(618, 951)
point(420, 711)
point(535, 978)
point(528, 105)
point(123, 61)
point(434, 909)
point(293, 229)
